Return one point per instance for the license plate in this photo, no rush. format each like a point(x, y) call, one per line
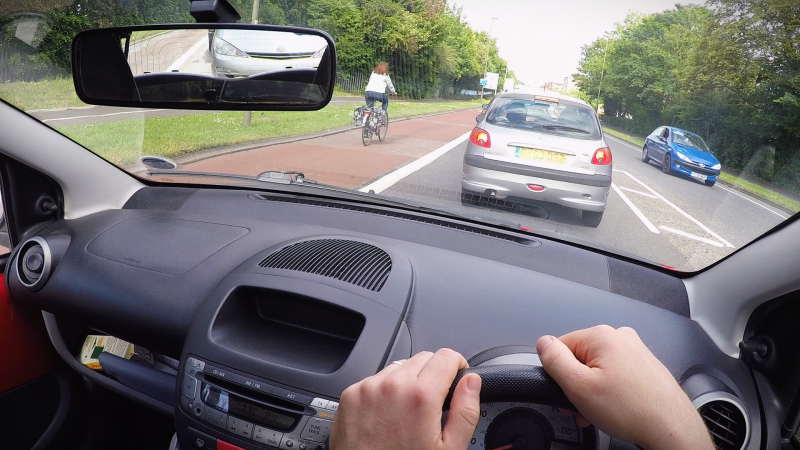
point(699, 176)
point(536, 154)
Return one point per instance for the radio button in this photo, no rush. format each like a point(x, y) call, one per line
point(333, 406)
point(316, 429)
point(319, 403)
point(199, 440)
point(254, 384)
point(240, 427)
point(293, 396)
point(267, 436)
point(189, 386)
point(214, 417)
point(194, 363)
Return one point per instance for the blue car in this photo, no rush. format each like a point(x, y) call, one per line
point(682, 152)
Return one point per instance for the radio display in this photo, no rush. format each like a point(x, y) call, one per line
point(259, 414)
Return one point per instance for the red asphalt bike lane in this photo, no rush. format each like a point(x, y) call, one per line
point(341, 159)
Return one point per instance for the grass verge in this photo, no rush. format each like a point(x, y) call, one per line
point(45, 94)
point(625, 137)
point(122, 142)
point(755, 189)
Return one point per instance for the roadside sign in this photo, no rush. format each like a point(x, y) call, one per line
point(600, 110)
point(482, 82)
point(491, 80)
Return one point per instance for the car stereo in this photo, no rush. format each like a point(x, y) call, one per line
point(255, 411)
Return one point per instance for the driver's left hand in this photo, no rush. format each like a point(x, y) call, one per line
point(400, 407)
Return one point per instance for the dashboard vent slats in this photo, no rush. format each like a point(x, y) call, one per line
point(353, 262)
point(726, 423)
point(398, 215)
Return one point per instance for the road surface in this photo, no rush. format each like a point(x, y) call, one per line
point(661, 218)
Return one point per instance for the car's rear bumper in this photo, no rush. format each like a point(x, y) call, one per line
point(580, 191)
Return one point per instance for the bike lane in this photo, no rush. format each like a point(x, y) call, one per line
point(341, 159)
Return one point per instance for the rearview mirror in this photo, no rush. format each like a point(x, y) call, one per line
point(191, 66)
point(484, 106)
point(478, 118)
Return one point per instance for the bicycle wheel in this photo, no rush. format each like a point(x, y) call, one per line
point(366, 133)
point(384, 128)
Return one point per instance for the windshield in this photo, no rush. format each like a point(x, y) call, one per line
point(690, 140)
point(558, 129)
point(545, 117)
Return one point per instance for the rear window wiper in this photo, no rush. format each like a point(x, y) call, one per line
point(565, 128)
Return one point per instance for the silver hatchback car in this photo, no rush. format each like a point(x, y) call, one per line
point(546, 147)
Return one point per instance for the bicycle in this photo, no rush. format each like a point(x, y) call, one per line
point(373, 121)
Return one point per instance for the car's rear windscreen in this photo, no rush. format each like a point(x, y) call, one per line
point(545, 117)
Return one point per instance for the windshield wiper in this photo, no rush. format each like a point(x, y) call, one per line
point(565, 128)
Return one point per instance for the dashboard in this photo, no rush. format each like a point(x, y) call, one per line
point(275, 303)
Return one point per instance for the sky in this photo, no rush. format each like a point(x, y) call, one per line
point(541, 40)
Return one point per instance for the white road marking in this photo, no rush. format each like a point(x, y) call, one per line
point(138, 111)
point(635, 210)
point(679, 210)
point(386, 181)
point(619, 141)
point(753, 201)
point(639, 192)
point(691, 236)
point(729, 190)
point(180, 61)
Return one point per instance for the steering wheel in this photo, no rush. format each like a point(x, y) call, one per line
point(515, 383)
point(522, 429)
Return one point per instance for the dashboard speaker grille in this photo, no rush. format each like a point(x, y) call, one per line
point(726, 424)
point(353, 262)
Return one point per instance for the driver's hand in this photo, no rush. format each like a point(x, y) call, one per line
point(401, 407)
point(618, 385)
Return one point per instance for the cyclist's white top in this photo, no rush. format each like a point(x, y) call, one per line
point(378, 83)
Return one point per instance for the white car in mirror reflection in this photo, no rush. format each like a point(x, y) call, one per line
point(241, 53)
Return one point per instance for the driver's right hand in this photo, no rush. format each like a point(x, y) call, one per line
point(620, 387)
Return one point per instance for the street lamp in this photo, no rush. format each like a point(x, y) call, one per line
point(486, 66)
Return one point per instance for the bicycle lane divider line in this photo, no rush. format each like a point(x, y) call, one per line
point(176, 66)
point(691, 236)
point(678, 209)
point(635, 210)
point(388, 180)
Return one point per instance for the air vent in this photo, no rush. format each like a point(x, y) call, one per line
point(353, 262)
point(399, 215)
point(726, 423)
point(33, 263)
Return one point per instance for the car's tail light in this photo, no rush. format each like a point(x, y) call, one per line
point(602, 157)
point(480, 138)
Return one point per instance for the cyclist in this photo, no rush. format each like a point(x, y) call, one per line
point(379, 81)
